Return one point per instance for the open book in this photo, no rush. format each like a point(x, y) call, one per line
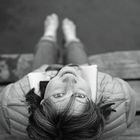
point(90, 72)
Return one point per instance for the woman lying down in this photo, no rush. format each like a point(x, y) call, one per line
point(73, 101)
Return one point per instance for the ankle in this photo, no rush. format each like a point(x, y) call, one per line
point(49, 38)
point(68, 42)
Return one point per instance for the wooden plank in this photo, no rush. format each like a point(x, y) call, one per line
point(136, 86)
point(13, 67)
point(124, 64)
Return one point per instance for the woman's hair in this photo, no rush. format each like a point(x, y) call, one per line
point(47, 123)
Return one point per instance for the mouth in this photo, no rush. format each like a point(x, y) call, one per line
point(68, 71)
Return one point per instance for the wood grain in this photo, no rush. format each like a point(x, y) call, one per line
point(136, 86)
point(124, 64)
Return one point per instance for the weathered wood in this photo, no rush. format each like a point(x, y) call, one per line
point(124, 64)
point(13, 67)
point(136, 86)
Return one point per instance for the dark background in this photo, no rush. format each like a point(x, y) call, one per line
point(103, 25)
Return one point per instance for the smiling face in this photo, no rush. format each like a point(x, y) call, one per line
point(68, 82)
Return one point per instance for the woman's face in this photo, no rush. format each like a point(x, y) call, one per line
point(69, 81)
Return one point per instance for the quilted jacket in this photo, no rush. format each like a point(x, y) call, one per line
point(14, 109)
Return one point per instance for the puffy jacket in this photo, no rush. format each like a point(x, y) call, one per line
point(14, 109)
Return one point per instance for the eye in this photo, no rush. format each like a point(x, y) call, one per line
point(79, 95)
point(58, 95)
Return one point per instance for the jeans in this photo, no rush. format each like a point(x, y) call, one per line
point(47, 53)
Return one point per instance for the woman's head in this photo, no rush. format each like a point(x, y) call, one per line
point(46, 122)
point(66, 111)
point(69, 82)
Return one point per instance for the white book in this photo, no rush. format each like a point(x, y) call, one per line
point(90, 72)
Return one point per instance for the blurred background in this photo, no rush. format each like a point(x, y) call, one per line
point(102, 25)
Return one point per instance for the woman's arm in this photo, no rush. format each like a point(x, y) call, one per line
point(13, 108)
point(117, 91)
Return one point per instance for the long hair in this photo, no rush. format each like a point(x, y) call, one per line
point(47, 123)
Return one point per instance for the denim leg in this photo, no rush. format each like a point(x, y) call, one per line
point(46, 53)
point(75, 53)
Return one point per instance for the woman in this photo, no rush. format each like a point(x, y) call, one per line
point(55, 101)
